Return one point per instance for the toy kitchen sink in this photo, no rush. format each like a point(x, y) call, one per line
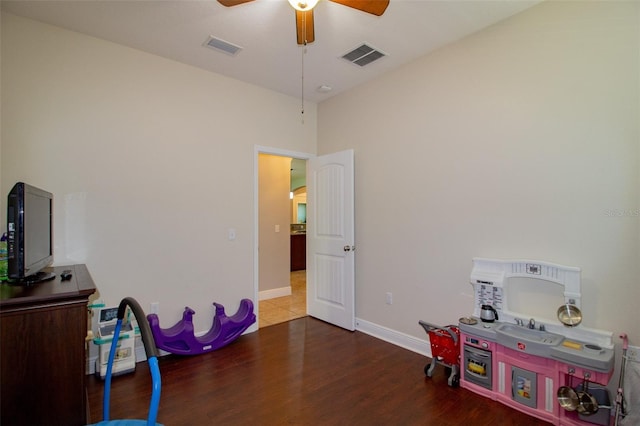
point(523, 357)
point(529, 340)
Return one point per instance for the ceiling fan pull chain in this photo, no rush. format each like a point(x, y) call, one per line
point(304, 51)
point(304, 48)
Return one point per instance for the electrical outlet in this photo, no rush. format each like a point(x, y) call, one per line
point(154, 307)
point(633, 353)
point(389, 298)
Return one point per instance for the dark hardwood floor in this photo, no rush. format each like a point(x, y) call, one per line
point(303, 372)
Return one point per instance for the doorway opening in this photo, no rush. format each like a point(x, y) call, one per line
point(286, 308)
point(280, 236)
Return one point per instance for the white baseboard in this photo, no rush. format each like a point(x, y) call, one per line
point(90, 367)
point(274, 292)
point(406, 341)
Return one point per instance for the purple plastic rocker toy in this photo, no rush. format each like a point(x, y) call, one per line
point(181, 340)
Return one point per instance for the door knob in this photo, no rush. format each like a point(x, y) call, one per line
point(349, 248)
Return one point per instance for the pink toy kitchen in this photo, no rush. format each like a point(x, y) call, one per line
point(525, 346)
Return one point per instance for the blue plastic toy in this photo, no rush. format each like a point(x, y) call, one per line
point(181, 340)
point(152, 359)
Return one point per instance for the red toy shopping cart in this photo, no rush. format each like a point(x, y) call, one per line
point(445, 350)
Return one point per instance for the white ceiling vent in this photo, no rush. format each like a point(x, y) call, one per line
point(222, 46)
point(363, 55)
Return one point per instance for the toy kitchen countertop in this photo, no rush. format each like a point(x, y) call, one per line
point(541, 343)
point(584, 355)
point(475, 327)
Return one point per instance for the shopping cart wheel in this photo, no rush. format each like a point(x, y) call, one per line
point(454, 381)
point(428, 369)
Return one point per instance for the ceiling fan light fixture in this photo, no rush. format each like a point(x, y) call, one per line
point(303, 5)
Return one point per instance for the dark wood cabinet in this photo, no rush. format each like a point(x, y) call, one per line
point(42, 355)
point(298, 252)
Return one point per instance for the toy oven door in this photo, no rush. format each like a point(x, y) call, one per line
point(477, 366)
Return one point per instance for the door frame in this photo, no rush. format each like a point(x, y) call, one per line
point(259, 149)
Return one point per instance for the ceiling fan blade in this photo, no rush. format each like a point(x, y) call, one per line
point(374, 7)
point(229, 3)
point(304, 27)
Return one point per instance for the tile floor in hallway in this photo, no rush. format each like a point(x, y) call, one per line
point(286, 308)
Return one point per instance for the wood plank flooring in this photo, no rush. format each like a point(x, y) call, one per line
point(302, 372)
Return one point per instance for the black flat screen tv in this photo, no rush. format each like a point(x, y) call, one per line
point(29, 234)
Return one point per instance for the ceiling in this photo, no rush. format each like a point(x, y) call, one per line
point(266, 32)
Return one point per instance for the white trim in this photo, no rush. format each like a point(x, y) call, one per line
point(259, 149)
point(550, 394)
point(406, 341)
point(90, 367)
point(274, 292)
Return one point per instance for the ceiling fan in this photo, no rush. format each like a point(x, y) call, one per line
point(304, 13)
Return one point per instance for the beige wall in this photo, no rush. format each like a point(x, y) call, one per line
point(517, 142)
point(151, 163)
point(512, 143)
point(274, 175)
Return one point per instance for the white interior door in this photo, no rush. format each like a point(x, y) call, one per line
point(330, 239)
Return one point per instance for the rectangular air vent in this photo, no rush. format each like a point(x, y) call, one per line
point(223, 46)
point(363, 55)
